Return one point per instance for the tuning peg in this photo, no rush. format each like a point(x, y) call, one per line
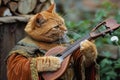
point(103, 34)
point(111, 31)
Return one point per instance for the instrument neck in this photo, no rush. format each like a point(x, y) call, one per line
point(74, 47)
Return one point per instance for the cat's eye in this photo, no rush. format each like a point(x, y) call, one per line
point(56, 27)
point(40, 21)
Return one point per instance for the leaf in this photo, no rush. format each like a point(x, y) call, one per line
point(107, 5)
point(70, 24)
point(100, 14)
point(103, 70)
point(111, 74)
point(105, 62)
point(117, 66)
point(106, 54)
point(117, 17)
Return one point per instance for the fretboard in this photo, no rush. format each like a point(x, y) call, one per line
point(74, 47)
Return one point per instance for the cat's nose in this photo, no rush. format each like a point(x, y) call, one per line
point(63, 28)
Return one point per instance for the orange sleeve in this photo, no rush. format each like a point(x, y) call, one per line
point(18, 68)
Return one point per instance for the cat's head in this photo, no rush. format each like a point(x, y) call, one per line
point(46, 26)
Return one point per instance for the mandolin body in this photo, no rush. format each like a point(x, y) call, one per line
point(53, 75)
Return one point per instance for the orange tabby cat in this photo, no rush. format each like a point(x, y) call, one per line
point(44, 30)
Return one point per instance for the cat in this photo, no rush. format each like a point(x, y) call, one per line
point(48, 26)
point(44, 29)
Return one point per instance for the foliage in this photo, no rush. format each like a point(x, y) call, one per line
point(108, 68)
point(81, 28)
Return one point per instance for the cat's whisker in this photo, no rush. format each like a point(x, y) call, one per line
point(59, 39)
point(65, 32)
point(72, 32)
point(64, 15)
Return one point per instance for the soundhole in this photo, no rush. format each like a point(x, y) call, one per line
point(58, 55)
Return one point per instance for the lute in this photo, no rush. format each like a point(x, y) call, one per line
point(65, 53)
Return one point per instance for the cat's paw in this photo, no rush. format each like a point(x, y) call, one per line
point(84, 45)
point(48, 63)
point(88, 48)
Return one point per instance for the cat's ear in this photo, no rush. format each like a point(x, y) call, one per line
point(39, 19)
point(52, 8)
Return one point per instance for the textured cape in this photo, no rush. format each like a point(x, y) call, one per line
point(21, 64)
point(82, 72)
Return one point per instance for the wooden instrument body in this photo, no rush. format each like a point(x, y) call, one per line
point(53, 75)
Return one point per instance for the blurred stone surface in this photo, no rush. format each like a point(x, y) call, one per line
point(73, 8)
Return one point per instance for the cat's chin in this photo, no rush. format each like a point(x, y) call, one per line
point(51, 40)
point(46, 39)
